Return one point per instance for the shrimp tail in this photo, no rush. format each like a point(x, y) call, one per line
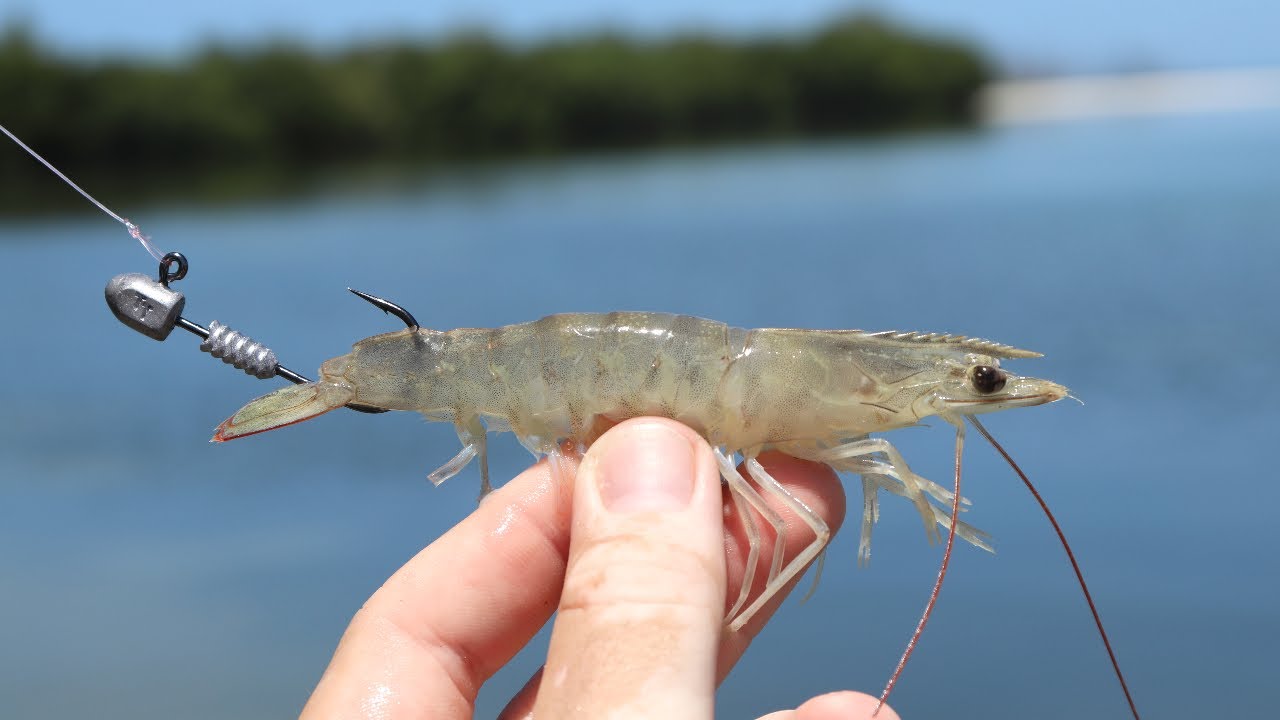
point(284, 407)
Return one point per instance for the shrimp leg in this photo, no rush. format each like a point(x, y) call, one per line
point(739, 486)
point(473, 436)
point(478, 435)
point(870, 516)
point(913, 485)
point(822, 534)
point(753, 551)
point(875, 474)
point(898, 479)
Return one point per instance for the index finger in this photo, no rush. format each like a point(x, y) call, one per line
point(457, 611)
point(818, 487)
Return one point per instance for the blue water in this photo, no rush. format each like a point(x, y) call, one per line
point(148, 574)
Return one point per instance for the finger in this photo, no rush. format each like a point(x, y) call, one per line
point(819, 488)
point(640, 614)
point(456, 612)
point(837, 706)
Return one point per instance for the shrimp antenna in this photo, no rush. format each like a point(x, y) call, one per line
point(1097, 620)
point(387, 306)
point(937, 584)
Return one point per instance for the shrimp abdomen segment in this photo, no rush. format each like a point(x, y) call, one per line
point(556, 377)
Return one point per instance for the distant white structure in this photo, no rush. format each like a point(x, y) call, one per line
point(1156, 93)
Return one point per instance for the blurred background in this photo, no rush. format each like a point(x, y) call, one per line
point(1094, 181)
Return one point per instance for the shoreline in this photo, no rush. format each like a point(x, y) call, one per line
point(1070, 98)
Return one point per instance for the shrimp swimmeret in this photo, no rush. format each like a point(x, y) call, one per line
point(812, 394)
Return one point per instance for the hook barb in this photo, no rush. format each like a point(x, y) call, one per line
point(387, 306)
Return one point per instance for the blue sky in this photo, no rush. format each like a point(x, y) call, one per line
point(1028, 35)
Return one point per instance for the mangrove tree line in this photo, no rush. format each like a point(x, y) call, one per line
point(472, 96)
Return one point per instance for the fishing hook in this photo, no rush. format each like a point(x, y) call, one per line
point(389, 307)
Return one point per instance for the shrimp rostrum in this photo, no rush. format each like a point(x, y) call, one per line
point(813, 394)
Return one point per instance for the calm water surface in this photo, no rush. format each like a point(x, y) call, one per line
point(148, 574)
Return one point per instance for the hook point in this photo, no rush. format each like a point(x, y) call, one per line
point(387, 306)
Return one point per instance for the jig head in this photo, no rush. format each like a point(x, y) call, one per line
point(154, 309)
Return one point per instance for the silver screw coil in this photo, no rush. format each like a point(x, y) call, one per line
point(240, 351)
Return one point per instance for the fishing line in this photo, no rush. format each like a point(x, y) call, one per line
point(134, 231)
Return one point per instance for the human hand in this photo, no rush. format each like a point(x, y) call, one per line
point(640, 554)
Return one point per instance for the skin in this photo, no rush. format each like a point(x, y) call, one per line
point(639, 555)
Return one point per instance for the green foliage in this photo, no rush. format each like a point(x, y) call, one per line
point(470, 96)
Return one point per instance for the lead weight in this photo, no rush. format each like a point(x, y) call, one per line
point(144, 304)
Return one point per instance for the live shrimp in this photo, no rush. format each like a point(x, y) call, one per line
point(812, 394)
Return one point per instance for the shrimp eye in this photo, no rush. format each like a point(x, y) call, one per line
point(987, 379)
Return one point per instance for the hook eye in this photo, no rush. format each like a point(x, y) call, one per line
point(167, 272)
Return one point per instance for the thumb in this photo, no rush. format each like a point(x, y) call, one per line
point(641, 612)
